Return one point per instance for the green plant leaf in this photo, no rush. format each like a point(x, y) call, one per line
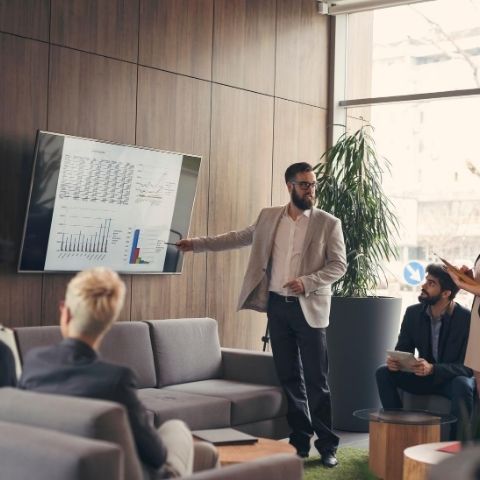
point(349, 178)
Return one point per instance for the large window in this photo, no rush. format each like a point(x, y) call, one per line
point(432, 145)
point(425, 47)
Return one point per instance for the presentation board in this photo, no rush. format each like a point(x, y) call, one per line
point(98, 203)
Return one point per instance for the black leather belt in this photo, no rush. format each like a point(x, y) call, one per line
point(287, 299)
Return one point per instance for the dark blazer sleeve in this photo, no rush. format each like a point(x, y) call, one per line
point(454, 348)
point(415, 334)
point(8, 376)
point(406, 337)
point(445, 371)
point(150, 448)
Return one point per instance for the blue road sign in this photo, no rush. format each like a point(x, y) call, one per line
point(413, 273)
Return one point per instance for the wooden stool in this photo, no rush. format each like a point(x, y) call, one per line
point(418, 460)
point(392, 431)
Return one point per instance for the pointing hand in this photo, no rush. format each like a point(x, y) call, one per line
point(185, 245)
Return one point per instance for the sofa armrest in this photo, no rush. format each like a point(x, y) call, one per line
point(249, 366)
point(268, 468)
point(81, 417)
point(30, 452)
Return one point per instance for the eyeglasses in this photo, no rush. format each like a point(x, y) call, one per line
point(305, 185)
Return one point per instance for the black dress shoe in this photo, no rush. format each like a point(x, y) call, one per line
point(329, 459)
point(302, 448)
point(302, 453)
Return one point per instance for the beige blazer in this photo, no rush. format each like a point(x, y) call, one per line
point(323, 261)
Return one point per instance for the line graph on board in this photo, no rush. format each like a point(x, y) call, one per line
point(154, 186)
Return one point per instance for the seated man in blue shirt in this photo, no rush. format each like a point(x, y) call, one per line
point(438, 328)
point(92, 304)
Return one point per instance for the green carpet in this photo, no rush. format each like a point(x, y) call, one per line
point(352, 465)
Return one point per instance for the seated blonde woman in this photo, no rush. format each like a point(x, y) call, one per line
point(93, 301)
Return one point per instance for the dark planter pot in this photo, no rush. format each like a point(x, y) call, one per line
point(360, 332)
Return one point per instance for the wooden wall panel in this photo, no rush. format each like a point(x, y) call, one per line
point(176, 35)
point(174, 114)
point(300, 136)
point(302, 52)
point(20, 299)
point(27, 18)
point(92, 96)
point(244, 44)
point(23, 83)
point(240, 186)
point(106, 27)
point(55, 286)
point(92, 91)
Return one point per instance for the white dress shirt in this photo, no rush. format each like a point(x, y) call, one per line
point(287, 250)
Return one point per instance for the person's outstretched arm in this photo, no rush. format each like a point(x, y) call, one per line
point(225, 241)
point(469, 287)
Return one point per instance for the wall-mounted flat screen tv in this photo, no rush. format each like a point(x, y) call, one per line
point(96, 203)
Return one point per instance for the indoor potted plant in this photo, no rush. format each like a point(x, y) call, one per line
point(362, 326)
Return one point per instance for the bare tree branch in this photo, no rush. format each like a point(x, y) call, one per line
point(439, 29)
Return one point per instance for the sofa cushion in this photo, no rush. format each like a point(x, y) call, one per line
point(97, 419)
point(185, 350)
point(250, 402)
point(128, 343)
point(274, 428)
point(431, 403)
point(31, 337)
point(197, 411)
point(35, 453)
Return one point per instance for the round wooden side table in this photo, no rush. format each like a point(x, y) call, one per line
point(392, 431)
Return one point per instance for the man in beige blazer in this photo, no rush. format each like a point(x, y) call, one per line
point(297, 253)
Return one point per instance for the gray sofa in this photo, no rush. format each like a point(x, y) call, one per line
point(183, 373)
point(54, 437)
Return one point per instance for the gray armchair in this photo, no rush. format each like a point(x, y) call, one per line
point(53, 437)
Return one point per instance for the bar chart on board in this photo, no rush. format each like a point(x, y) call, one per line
point(146, 247)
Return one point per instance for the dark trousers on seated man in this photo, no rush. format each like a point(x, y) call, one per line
point(459, 390)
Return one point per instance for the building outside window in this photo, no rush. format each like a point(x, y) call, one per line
point(433, 145)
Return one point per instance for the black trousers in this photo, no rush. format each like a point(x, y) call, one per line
point(460, 390)
point(301, 361)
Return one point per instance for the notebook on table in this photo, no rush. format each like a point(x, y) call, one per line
point(224, 436)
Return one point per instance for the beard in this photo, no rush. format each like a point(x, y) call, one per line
point(427, 299)
point(301, 202)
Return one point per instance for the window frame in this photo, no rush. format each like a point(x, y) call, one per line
point(338, 103)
